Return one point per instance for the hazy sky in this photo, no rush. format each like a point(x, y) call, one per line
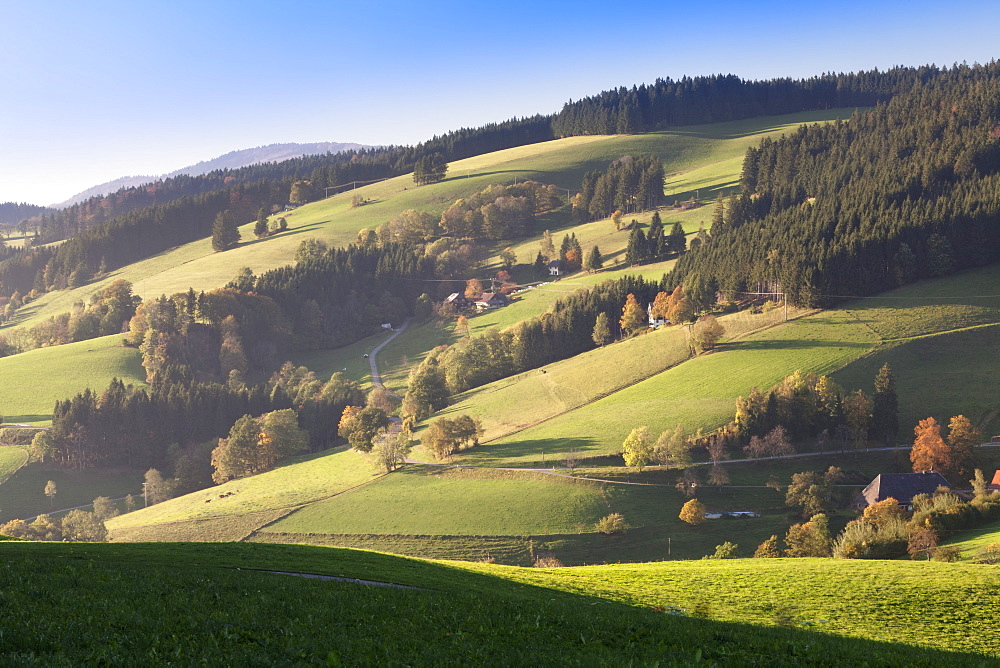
point(98, 90)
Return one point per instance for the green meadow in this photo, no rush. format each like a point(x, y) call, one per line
point(122, 604)
point(35, 380)
point(12, 457)
point(295, 482)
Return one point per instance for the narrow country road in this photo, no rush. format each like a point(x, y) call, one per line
point(376, 378)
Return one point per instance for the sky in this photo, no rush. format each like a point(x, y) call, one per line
point(99, 90)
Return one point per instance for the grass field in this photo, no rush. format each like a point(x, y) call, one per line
point(35, 380)
point(138, 604)
point(698, 393)
point(12, 458)
point(514, 403)
point(428, 500)
point(23, 494)
point(300, 480)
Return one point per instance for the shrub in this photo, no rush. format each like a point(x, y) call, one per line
point(547, 562)
point(768, 549)
point(946, 553)
point(863, 540)
point(725, 551)
point(611, 524)
point(987, 554)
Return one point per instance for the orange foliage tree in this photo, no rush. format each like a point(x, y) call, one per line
point(930, 452)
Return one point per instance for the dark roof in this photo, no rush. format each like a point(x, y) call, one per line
point(901, 486)
point(491, 296)
point(554, 264)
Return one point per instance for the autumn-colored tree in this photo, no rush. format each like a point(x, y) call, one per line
point(509, 258)
point(858, 414)
point(810, 539)
point(707, 332)
point(462, 325)
point(768, 549)
point(661, 305)
point(922, 542)
point(679, 309)
point(473, 289)
point(717, 475)
point(633, 318)
point(50, 491)
point(930, 452)
point(574, 260)
point(963, 439)
point(693, 512)
point(638, 448)
point(882, 513)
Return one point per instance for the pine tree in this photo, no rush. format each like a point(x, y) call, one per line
point(260, 227)
point(594, 261)
point(885, 407)
point(225, 233)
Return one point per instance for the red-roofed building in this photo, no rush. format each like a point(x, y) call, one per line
point(996, 481)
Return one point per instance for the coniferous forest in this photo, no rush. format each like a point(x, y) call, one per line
point(908, 189)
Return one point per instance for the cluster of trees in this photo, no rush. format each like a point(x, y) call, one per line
point(655, 245)
point(256, 444)
point(76, 526)
point(952, 456)
point(566, 330)
point(108, 312)
point(176, 424)
point(217, 335)
point(804, 405)
point(335, 297)
point(446, 436)
point(629, 185)
point(430, 169)
point(887, 530)
point(713, 99)
point(499, 211)
point(15, 212)
point(907, 190)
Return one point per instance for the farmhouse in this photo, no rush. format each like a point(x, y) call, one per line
point(555, 268)
point(491, 300)
point(458, 300)
point(900, 486)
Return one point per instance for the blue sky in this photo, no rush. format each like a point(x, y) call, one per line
point(95, 91)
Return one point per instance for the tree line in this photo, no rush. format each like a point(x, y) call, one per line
point(907, 190)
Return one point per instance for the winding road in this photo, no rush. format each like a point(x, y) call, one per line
point(376, 378)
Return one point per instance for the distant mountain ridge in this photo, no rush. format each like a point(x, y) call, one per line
point(231, 160)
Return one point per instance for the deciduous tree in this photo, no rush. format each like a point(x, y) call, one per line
point(964, 441)
point(638, 448)
point(693, 512)
point(633, 318)
point(930, 452)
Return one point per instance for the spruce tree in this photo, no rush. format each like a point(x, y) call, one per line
point(225, 234)
point(885, 407)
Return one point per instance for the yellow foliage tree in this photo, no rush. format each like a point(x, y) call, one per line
point(930, 452)
point(693, 512)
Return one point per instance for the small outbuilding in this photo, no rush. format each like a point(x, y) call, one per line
point(995, 483)
point(458, 300)
point(900, 486)
point(555, 268)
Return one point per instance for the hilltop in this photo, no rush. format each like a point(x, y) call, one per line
point(232, 160)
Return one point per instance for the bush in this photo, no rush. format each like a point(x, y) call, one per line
point(987, 554)
point(611, 524)
point(725, 551)
point(862, 540)
point(547, 562)
point(947, 554)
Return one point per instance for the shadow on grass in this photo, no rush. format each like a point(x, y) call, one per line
point(514, 622)
point(781, 344)
point(531, 453)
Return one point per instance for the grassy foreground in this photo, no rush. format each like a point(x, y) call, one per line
point(197, 604)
